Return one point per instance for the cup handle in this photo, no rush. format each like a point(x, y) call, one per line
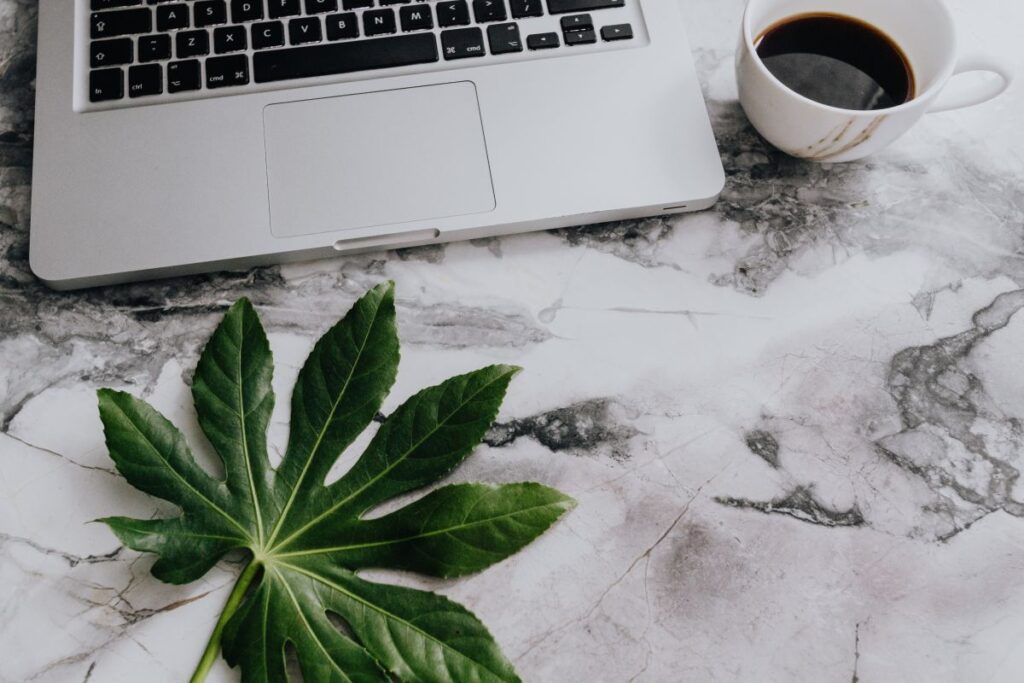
point(982, 90)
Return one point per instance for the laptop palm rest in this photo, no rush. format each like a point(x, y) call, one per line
point(381, 158)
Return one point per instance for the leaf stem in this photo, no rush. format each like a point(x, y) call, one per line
point(234, 600)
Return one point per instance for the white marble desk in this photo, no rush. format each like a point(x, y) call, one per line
point(793, 423)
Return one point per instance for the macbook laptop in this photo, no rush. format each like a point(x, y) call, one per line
point(183, 136)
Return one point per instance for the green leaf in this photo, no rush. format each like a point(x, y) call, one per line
point(307, 540)
point(234, 400)
point(453, 531)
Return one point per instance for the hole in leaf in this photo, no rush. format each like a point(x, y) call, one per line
point(291, 664)
point(339, 622)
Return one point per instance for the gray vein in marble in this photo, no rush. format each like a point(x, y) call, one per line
point(118, 604)
point(635, 241)
point(129, 618)
point(856, 654)
point(549, 314)
point(800, 504)
point(954, 438)
point(924, 300)
point(586, 428)
point(491, 244)
point(72, 559)
point(5, 431)
point(431, 253)
point(763, 445)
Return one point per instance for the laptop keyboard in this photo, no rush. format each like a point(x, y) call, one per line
point(142, 49)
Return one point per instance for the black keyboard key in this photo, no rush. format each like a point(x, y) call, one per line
point(356, 4)
point(145, 80)
point(454, 13)
point(229, 39)
point(617, 32)
point(284, 8)
point(192, 44)
point(267, 34)
point(526, 8)
point(341, 26)
point(580, 37)
point(504, 38)
point(305, 30)
point(111, 52)
point(171, 17)
point(565, 6)
point(384, 3)
point(459, 43)
point(182, 76)
point(210, 13)
point(154, 48)
point(378, 22)
point(346, 57)
point(121, 23)
point(111, 4)
point(489, 10)
point(416, 17)
point(106, 84)
point(222, 72)
point(246, 10)
point(542, 41)
point(320, 6)
point(577, 22)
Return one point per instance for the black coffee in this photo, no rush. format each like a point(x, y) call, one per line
point(838, 61)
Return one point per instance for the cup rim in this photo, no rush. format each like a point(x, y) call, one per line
point(917, 101)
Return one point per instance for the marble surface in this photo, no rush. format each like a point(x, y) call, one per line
point(793, 422)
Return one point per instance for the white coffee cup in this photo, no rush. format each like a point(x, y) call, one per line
point(804, 128)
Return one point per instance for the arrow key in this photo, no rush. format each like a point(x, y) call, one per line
point(617, 32)
point(542, 41)
point(577, 22)
point(580, 37)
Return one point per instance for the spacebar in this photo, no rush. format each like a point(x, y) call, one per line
point(341, 58)
point(563, 6)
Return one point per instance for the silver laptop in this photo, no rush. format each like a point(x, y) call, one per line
point(182, 136)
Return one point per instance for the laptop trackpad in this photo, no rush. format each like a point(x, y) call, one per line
point(379, 158)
